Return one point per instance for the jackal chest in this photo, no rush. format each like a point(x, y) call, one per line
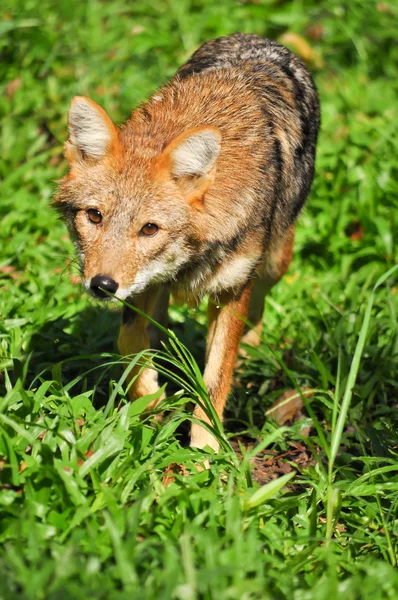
point(208, 278)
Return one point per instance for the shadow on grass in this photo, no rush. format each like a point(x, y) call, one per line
point(77, 342)
point(88, 334)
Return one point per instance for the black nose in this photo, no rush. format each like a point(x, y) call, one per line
point(102, 286)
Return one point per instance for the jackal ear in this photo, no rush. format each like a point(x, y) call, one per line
point(91, 131)
point(195, 152)
point(190, 159)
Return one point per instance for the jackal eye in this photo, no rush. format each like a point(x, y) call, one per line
point(149, 229)
point(94, 216)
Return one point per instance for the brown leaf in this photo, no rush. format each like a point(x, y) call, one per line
point(13, 86)
point(137, 29)
point(268, 465)
point(101, 90)
point(288, 405)
point(55, 160)
point(355, 231)
point(7, 269)
point(339, 526)
point(11, 272)
point(75, 279)
point(316, 32)
point(383, 7)
point(170, 472)
point(285, 468)
point(80, 461)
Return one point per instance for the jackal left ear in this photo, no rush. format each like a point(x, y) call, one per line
point(190, 159)
point(92, 133)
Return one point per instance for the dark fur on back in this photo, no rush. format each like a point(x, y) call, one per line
point(272, 68)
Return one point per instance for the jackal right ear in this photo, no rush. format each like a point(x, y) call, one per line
point(92, 134)
point(190, 159)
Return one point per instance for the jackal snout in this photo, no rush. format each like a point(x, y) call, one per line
point(102, 286)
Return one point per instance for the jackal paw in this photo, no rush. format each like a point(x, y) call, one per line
point(200, 438)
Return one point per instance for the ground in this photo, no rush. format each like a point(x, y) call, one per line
point(96, 500)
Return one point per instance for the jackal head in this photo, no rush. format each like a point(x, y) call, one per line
point(131, 202)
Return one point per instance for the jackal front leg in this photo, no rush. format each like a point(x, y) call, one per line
point(269, 272)
point(226, 323)
point(134, 337)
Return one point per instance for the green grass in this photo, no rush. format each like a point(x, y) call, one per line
point(84, 512)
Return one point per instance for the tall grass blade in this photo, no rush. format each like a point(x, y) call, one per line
point(352, 376)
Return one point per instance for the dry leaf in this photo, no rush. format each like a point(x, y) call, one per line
point(316, 32)
point(288, 405)
point(55, 160)
point(355, 231)
point(170, 472)
point(383, 7)
point(80, 461)
point(75, 279)
point(137, 29)
point(7, 269)
point(13, 86)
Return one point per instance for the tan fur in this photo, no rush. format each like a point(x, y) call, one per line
point(268, 275)
point(135, 338)
point(221, 160)
point(225, 329)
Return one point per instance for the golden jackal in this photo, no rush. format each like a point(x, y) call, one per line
point(196, 194)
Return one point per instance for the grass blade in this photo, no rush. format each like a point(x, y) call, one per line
point(268, 491)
